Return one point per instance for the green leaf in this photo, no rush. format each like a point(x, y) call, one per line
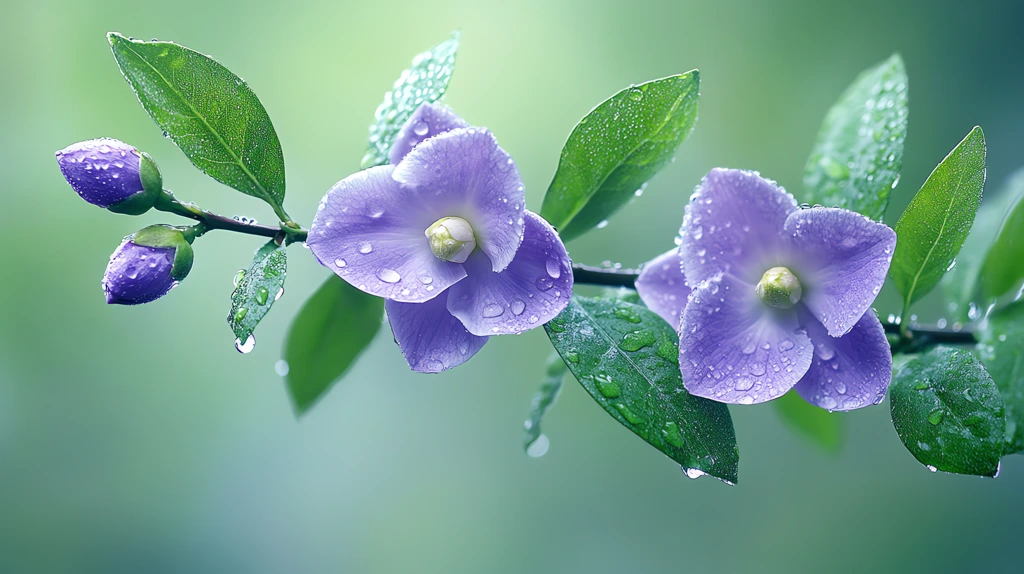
point(208, 112)
point(616, 148)
point(1002, 352)
point(961, 283)
point(1002, 272)
point(858, 155)
point(534, 442)
point(627, 358)
point(425, 82)
point(825, 429)
point(932, 229)
point(948, 413)
point(333, 327)
point(257, 289)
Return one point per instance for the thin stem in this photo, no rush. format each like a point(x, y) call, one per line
point(912, 336)
point(288, 231)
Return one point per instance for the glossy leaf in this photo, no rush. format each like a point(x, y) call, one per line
point(948, 412)
point(333, 327)
point(257, 289)
point(209, 112)
point(935, 224)
point(858, 155)
point(616, 149)
point(425, 82)
point(823, 428)
point(1002, 272)
point(627, 358)
point(1002, 352)
point(534, 442)
point(962, 284)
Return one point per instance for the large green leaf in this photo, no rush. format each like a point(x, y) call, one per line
point(858, 155)
point(210, 113)
point(1003, 269)
point(948, 412)
point(823, 428)
point(962, 283)
point(935, 224)
point(535, 442)
point(425, 82)
point(257, 289)
point(616, 148)
point(1002, 352)
point(330, 331)
point(627, 358)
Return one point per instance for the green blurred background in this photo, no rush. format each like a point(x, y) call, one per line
point(139, 440)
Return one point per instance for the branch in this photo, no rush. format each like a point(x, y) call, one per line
point(167, 202)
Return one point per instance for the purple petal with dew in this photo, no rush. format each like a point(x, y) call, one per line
point(733, 224)
point(734, 349)
point(369, 230)
point(848, 372)
point(662, 286)
point(426, 122)
point(463, 173)
point(138, 274)
point(841, 259)
point(431, 339)
point(531, 291)
point(103, 171)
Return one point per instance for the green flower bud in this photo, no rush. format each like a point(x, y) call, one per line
point(451, 239)
point(779, 288)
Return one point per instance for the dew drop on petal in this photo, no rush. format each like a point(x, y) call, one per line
point(492, 310)
point(388, 275)
point(554, 268)
point(518, 307)
point(365, 247)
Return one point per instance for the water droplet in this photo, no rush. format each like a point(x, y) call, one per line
point(421, 128)
point(572, 357)
point(492, 310)
point(280, 293)
point(744, 384)
point(606, 386)
point(365, 247)
point(539, 447)
point(628, 414)
point(240, 314)
point(239, 276)
point(262, 295)
point(544, 283)
point(636, 94)
point(340, 263)
point(388, 275)
point(554, 268)
point(935, 417)
point(281, 368)
point(670, 430)
point(637, 340)
point(246, 347)
point(627, 314)
point(693, 473)
point(518, 307)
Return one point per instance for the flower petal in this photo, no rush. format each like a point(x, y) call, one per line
point(734, 349)
point(426, 122)
point(531, 291)
point(733, 224)
point(848, 372)
point(463, 173)
point(841, 259)
point(430, 338)
point(369, 230)
point(662, 286)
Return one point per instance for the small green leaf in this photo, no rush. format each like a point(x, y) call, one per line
point(208, 112)
point(616, 149)
point(935, 224)
point(534, 442)
point(257, 289)
point(825, 429)
point(627, 358)
point(1003, 269)
point(333, 327)
point(425, 82)
point(948, 412)
point(1002, 352)
point(858, 155)
point(961, 283)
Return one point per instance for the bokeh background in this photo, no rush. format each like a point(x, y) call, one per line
point(139, 440)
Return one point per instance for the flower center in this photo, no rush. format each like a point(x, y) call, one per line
point(451, 239)
point(779, 288)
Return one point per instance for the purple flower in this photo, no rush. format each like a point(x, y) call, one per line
point(444, 236)
point(147, 265)
point(781, 296)
point(111, 174)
